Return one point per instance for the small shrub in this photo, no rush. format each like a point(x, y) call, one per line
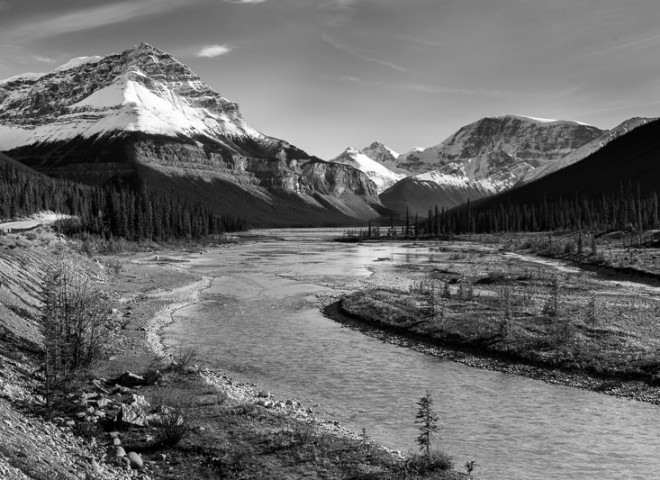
point(184, 359)
point(435, 461)
point(173, 425)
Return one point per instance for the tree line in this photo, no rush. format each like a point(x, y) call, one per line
point(112, 210)
point(626, 208)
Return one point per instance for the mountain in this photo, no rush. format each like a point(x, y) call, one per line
point(585, 150)
point(616, 187)
point(145, 118)
point(418, 193)
point(498, 151)
point(483, 158)
point(372, 160)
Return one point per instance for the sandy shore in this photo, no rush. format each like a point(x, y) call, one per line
point(180, 297)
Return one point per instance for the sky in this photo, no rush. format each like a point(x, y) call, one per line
point(328, 74)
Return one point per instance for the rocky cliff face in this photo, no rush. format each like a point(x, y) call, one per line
point(96, 118)
point(499, 151)
point(585, 150)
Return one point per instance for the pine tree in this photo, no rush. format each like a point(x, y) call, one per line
point(428, 423)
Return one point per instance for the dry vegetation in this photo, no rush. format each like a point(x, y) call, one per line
point(492, 301)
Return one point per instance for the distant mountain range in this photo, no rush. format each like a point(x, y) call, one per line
point(489, 156)
point(143, 118)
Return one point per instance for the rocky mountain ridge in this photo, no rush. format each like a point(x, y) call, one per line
point(586, 150)
point(498, 151)
point(143, 115)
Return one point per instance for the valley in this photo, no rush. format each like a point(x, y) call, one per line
point(231, 335)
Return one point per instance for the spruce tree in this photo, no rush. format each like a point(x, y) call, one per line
point(428, 423)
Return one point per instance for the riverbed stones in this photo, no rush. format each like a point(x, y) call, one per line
point(116, 451)
point(136, 461)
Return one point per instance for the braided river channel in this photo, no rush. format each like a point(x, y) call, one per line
point(260, 321)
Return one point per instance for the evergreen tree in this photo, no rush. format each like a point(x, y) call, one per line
point(428, 423)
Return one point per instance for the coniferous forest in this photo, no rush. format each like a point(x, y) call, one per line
point(616, 188)
point(111, 211)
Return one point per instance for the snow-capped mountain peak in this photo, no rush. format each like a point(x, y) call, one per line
point(370, 160)
point(142, 89)
point(500, 150)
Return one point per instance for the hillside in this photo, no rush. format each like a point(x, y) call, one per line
point(614, 188)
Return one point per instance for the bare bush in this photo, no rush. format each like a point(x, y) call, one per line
point(74, 319)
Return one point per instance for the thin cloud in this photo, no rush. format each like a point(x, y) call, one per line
point(436, 89)
point(42, 59)
point(211, 51)
point(356, 53)
point(245, 1)
point(89, 18)
point(650, 41)
point(4, 6)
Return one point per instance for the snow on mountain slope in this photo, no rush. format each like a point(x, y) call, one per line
point(419, 193)
point(143, 89)
point(370, 161)
point(142, 116)
point(586, 150)
point(500, 150)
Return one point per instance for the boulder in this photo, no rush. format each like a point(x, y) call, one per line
point(116, 451)
point(133, 415)
point(136, 461)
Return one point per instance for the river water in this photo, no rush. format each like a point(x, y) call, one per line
point(260, 322)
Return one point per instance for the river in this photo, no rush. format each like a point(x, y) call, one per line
point(260, 321)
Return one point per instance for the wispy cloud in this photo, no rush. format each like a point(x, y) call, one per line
point(89, 18)
point(42, 59)
point(211, 51)
point(245, 1)
point(437, 89)
point(363, 56)
point(646, 42)
point(4, 6)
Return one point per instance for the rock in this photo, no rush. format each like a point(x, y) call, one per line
point(152, 378)
point(139, 400)
point(263, 394)
point(133, 415)
point(116, 452)
point(136, 461)
point(103, 402)
point(128, 379)
point(116, 441)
